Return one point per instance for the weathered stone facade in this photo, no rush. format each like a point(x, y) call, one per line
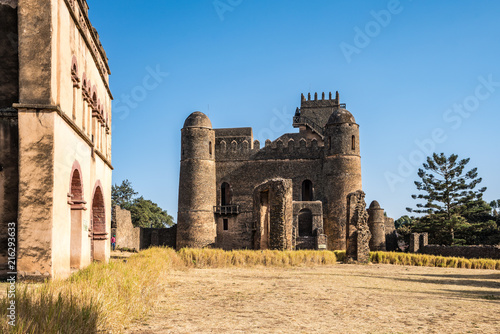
point(222, 170)
point(55, 136)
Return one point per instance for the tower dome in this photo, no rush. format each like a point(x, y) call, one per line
point(374, 205)
point(197, 120)
point(340, 116)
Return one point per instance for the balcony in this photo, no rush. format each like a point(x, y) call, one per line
point(227, 209)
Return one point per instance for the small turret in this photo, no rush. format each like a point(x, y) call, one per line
point(376, 222)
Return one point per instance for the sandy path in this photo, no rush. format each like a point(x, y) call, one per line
point(336, 299)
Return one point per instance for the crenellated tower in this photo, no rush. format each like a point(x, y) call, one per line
point(197, 192)
point(342, 173)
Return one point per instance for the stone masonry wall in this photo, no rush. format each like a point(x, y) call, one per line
point(483, 252)
point(244, 176)
point(127, 236)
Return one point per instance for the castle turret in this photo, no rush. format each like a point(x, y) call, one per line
point(197, 191)
point(376, 222)
point(342, 172)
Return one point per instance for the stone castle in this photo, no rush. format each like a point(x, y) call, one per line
point(55, 138)
point(300, 191)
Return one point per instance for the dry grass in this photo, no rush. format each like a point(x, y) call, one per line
point(328, 299)
point(218, 258)
point(99, 298)
point(108, 297)
point(433, 261)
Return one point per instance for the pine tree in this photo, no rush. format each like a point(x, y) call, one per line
point(449, 195)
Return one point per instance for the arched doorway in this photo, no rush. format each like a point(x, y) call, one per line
point(307, 190)
point(305, 223)
point(77, 206)
point(99, 235)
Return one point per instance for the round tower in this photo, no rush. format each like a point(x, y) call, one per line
point(197, 191)
point(342, 173)
point(376, 222)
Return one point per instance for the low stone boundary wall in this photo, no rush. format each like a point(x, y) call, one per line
point(128, 236)
point(469, 252)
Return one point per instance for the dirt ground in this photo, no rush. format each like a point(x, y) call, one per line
point(333, 299)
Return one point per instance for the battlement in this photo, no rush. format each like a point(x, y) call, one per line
point(329, 102)
point(279, 149)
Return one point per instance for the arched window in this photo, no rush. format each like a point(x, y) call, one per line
point(305, 223)
point(307, 190)
point(353, 143)
point(225, 194)
point(210, 148)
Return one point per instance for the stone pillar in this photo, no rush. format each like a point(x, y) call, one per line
point(414, 242)
point(359, 235)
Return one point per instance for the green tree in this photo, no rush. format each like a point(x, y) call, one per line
point(404, 221)
point(123, 194)
point(449, 195)
point(145, 213)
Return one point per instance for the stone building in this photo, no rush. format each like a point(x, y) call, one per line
point(290, 194)
point(55, 137)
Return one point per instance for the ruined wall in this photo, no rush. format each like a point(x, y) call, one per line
point(127, 236)
point(273, 213)
point(165, 237)
point(391, 239)
point(358, 232)
point(470, 252)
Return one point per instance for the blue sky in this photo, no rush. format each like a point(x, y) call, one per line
point(419, 77)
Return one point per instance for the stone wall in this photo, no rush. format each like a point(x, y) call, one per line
point(158, 237)
point(273, 214)
point(484, 252)
point(243, 176)
point(358, 232)
point(128, 236)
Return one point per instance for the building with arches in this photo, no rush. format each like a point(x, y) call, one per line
point(55, 138)
point(295, 192)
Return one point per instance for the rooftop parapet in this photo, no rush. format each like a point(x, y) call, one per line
point(279, 149)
